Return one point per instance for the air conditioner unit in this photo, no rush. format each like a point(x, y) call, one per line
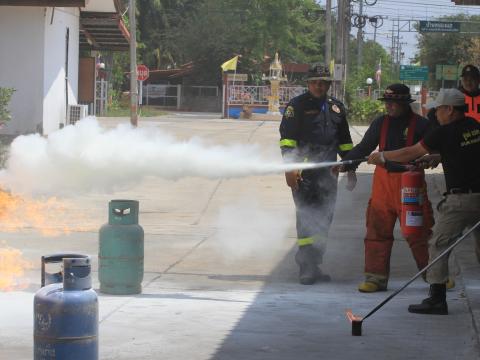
point(76, 113)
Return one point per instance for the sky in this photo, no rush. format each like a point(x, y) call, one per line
point(406, 10)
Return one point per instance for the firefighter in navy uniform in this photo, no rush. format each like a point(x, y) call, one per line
point(314, 128)
point(400, 127)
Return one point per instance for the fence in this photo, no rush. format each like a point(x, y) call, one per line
point(258, 95)
point(194, 98)
point(162, 95)
point(101, 97)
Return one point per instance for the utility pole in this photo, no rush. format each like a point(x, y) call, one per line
point(339, 32)
point(346, 32)
point(360, 36)
point(398, 46)
point(133, 65)
point(339, 42)
point(346, 42)
point(328, 33)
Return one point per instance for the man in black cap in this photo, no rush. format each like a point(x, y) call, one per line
point(470, 82)
point(314, 128)
point(400, 127)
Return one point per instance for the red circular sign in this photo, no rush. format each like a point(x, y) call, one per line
point(142, 72)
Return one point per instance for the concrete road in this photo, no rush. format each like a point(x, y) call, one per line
point(220, 279)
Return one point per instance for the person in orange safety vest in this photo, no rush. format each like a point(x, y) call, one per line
point(470, 82)
point(400, 127)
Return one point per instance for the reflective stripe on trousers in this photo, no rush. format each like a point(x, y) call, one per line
point(315, 205)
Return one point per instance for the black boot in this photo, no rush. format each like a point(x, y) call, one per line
point(306, 260)
point(436, 304)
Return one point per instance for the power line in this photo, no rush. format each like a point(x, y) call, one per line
point(419, 3)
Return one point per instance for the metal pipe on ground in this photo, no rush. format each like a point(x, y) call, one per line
point(357, 321)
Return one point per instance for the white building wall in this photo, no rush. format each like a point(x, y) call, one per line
point(55, 86)
point(21, 65)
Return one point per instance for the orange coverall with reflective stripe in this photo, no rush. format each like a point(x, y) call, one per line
point(384, 208)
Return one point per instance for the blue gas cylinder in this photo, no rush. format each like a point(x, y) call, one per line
point(66, 315)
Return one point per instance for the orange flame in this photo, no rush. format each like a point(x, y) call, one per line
point(50, 216)
point(12, 270)
point(352, 317)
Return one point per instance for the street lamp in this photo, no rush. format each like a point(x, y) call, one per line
point(369, 84)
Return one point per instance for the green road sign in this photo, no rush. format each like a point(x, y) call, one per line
point(412, 72)
point(448, 72)
point(439, 26)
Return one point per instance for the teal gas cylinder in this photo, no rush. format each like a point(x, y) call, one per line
point(66, 314)
point(120, 258)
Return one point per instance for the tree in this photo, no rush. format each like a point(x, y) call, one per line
point(158, 23)
point(5, 96)
point(373, 54)
point(208, 32)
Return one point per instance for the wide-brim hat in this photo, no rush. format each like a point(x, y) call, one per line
point(397, 93)
point(319, 72)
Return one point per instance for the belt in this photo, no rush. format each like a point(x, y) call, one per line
point(464, 190)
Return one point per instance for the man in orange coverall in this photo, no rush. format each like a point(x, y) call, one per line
point(400, 127)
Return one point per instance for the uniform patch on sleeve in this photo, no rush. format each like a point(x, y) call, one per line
point(289, 112)
point(335, 108)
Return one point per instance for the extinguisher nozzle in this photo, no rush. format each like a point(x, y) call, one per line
point(354, 162)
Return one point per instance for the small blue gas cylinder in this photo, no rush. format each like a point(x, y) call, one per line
point(66, 315)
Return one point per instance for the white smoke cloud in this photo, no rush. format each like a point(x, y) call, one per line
point(245, 229)
point(89, 158)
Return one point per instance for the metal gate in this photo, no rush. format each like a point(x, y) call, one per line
point(101, 97)
point(162, 95)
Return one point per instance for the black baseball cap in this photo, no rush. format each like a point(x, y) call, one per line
point(470, 70)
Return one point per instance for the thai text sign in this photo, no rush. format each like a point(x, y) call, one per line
point(439, 26)
point(237, 77)
point(412, 72)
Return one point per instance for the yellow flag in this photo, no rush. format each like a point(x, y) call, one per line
point(230, 64)
point(332, 66)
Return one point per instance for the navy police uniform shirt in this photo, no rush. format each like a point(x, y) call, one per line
point(314, 129)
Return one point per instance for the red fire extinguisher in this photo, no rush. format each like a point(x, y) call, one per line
point(411, 222)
